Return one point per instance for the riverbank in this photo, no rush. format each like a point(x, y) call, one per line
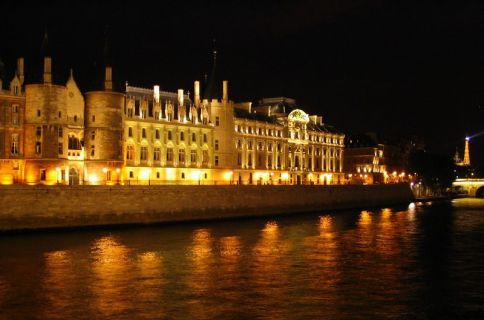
point(43, 207)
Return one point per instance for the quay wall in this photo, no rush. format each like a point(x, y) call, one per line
point(38, 207)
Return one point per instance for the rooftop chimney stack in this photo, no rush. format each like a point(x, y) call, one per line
point(20, 70)
point(108, 79)
point(225, 96)
point(197, 93)
point(180, 97)
point(47, 70)
point(156, 93)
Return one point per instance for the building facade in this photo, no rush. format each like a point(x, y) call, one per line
point(53, 134)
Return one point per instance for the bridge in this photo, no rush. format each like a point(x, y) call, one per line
point(472, 187)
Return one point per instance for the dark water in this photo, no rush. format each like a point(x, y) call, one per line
point(421, 262)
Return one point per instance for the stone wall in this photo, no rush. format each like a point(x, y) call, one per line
point(32, 207)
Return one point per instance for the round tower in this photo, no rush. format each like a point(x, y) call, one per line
point(103, 123)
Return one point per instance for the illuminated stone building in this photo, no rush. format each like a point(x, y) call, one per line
point(52, 134)
point(12, 106)
point(278, 143)
point(367, 161)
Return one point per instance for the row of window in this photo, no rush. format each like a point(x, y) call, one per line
point(130, 154)
point(319, 165)
point(260, 131)
point(169, 135)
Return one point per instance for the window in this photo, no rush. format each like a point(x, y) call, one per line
point(216, 161)
point(206, 175)
point(259, 160)
point(205, 157)
point(108, 175)
point(74, 143)
point(239, 159)
point(249, 147)
point(38, 147)
point(181, 156)
point(157, 175)
point(75, 118)
point(14, 145)
point(205, 138)
point(144, 153)
point(130, 112)
point(216, 145)
point(183, 175)
point(156, 154)
point(249, 161)
point(217, 121)
point(169, 135)
point(182, 136)
point(42, 175)
point(93, 135)
point(157, 134)
point(157, 115)
point(194, 137)
point(269, 161)
point(169, 154)
point(38, 113)
point(93, 118)
point(130, 132)
point(130, 153)
point(131, 175)
point(59, 114)
point(143, 133)
point(61, 133)
point(269, 146)
point(16, 90)
point(38, 131)
point(93, 150)
point(193, 156)
point(61, 148)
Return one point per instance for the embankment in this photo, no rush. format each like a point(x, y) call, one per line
point(36, 207)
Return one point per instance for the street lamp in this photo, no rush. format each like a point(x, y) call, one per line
point(105, 170)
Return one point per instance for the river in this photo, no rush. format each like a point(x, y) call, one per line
point(424, 261)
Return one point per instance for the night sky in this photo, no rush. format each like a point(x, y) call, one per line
point(392, 67)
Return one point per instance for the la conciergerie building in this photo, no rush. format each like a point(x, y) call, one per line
point(53, 134)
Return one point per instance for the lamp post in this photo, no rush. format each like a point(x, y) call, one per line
point(58, 172)
point(105, 170)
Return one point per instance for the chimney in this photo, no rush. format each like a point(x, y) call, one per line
point(225, 96)
point(47, 70)
point(180, 97)
point(20, 70)
point(156, 93)
point(108, 79)
point(197, 93)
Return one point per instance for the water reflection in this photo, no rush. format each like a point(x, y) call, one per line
point(200, 279)
point(112, 283)
point(59, 283)
point(269, 276)
point(422, 262)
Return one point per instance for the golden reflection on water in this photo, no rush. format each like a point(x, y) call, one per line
point(113, 277)
point(58, 282)
point(200, 279)
point(322, 254)
point(269, 273)
point(4, 288)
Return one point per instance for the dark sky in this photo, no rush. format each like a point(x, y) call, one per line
point(393, 67)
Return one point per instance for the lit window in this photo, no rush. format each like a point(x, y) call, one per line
point(182, 136)
point(61, 148)
point(130, 132)
point(169, 154)
point(143, 133)
point(144, 153)
point(130, 153)
point(216, 145)
point(217, 121)
point(93, 150)
point(216, 161)
point(14, 144)
point(181, 156)
point(156, 154)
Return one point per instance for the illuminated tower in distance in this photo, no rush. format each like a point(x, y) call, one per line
point(467, 159)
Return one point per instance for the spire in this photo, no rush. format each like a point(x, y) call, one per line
point(457, 156)
point(44, 49)
point(467, 158)
point(212, 84)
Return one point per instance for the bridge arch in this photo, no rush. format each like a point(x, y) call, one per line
point(480, 192)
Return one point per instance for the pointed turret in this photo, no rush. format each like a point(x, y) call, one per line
point(212, 83)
